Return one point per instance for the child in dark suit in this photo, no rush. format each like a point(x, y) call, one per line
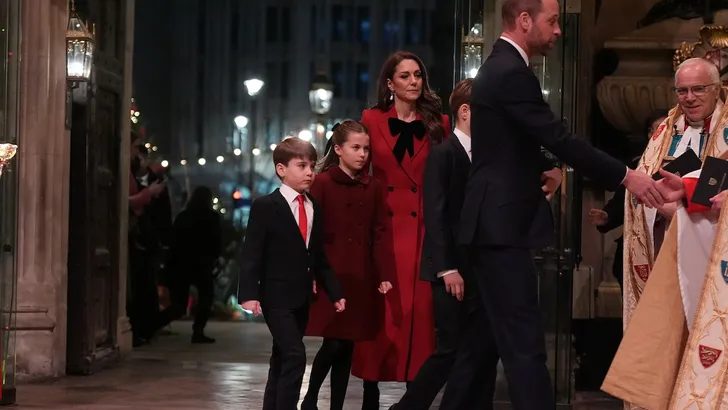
point(282, 252)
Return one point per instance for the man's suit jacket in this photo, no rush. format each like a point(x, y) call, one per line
point(504, 204)
point(443, 190)
point(277, 267)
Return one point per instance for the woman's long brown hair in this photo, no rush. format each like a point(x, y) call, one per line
point(429, 105)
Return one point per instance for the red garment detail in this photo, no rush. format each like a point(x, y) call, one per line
point(302, 218)
point(358, 244)
point(407, 336)
point(692, 208)
point(706, 124)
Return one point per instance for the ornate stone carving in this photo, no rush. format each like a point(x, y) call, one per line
point(712, 46)
point(644, 78)
point(627, 101)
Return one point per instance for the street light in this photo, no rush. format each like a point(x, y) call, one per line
point(254, 86)
point(237, 152)
point(320, 95)
point(165, 163)
point(241, 121)
point(256, 151)
point(79, 49)
point(220, 158)
point(202, 161)
point(305, 135)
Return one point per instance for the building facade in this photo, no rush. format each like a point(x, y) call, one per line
point(219, 45)
point(63, 279)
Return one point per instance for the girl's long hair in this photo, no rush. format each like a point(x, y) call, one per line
point(429, 105)
point(340, 134)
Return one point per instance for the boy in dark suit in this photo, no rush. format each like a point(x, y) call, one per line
point(462, 343)
point(282, 253)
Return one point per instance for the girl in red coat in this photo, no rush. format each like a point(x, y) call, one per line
point(358, 246)
point(403, 125)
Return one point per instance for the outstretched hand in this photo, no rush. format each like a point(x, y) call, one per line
point(671, 186)
point(644, 188)
point(340, 305)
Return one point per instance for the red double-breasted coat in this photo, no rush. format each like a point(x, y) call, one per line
point(408, 337)
point(358, 245)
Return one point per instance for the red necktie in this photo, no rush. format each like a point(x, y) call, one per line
point(302, 219)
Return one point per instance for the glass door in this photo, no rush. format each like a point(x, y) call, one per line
point(557, 74)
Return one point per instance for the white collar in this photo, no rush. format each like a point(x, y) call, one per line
point(463, 139)
point(518, 48)
point(290, 194)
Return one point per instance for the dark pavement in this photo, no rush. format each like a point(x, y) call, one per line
point(174, 374)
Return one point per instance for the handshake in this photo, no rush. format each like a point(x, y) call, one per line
point(651, 193)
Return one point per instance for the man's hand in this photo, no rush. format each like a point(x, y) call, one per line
point(668, 210)
point(252, 306)
point(314, 288)
point(644, 188)
point(551, 182)
point(385, 287)
point(340, 305)
point(454, 285)
point(717, 202)
point(598, 217)
point(671, 187)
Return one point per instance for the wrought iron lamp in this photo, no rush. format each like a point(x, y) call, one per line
point(79, 49)
point(320, 94)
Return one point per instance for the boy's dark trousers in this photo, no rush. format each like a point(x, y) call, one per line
point(288, 360)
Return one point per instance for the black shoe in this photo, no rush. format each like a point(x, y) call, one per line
point(201, 338)
point(306, 405)
point(370, 401)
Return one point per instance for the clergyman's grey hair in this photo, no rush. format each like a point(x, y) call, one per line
point(700, 62)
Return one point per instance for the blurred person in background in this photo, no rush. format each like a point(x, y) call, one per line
point(195, 246)
point(142, 302)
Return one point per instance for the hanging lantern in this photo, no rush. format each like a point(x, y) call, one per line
point(472, 51)
point(79, 48)
point(320, 94)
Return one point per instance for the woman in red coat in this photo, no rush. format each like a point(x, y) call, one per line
point(403, 125)
point(358, 245)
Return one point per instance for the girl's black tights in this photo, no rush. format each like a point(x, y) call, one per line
point(334, 355)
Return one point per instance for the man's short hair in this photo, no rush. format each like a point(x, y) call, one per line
point(461, 95)
point(513, 8)
point(293, 148)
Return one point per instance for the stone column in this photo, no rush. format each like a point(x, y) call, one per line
point(123, 328)
point(43, 168)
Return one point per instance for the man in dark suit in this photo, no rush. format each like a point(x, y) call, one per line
point(282, 252)
point(505, 214)
point(458, 314)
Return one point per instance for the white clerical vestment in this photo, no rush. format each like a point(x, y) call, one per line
point(672, 353)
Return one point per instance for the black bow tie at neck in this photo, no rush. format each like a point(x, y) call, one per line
point(407, 132)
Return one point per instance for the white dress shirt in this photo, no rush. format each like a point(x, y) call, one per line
point(291, 196)
point(464, 141)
